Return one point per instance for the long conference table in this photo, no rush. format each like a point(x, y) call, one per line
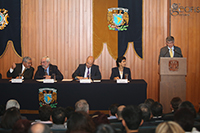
point(99, 95)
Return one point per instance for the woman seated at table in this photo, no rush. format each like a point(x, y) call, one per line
point(120, 72)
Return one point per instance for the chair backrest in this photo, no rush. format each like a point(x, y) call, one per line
point(2, 130)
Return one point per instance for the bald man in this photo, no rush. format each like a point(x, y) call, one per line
point(40, 128)
point(87, 70)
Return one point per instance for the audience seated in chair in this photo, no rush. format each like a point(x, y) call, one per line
point(13, 103)
point(132, 118)
point(45, 113)
point(174, 104)
point(9, 118)
point(157, 111)
point(117, 125)
point(169, 127)
point(82, 105)
point(185, 118)
point(146, 112)
point(68, 111)
point(58, 118)
point(112, 112)
point(80, 122)
point(149, 102)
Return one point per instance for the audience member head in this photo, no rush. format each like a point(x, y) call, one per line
point(2, 109)
point(68, 111)
point(58, 115)
point(156, 109)
point(120, 61)
point(82, 105)
point(99, 118)
point(89, 61)
point(27, 62)
point(45, 61)
point(185, 118)
point(188, 105)
point(80, 122)
point(169, 127)
point(132, 118)
point(146, 111)
point(113, 109)
point(175, 103)
point(21, 126)
point(10, 117)
point(39, 128)
point(149, 102)
point(119, 112)
point(45, 112)
point(12, 103)
point(105, 128)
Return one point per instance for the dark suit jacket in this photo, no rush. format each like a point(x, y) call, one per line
point(164, 52)
point(115, 73)
point(0, 76)
point(52, 69)
point(28, 74)
point(80, 71)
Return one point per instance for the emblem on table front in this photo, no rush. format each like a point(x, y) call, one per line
point(173, 65)
point(48, 96)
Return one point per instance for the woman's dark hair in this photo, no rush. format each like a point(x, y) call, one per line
point(80, 122)
point(9, 118)
point(119, 60)
point(100, 118)
point(21, 126)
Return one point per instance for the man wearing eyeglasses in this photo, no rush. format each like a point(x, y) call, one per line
point(47, 71)
point(21, 70)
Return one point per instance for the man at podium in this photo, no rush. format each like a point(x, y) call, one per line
point(170, 50)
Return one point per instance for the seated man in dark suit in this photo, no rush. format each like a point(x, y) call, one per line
point(170, 50)
point(120, 72)
point(174, 104)
point(87, 70)
point(47, 70)
point(0, 76)
point(22, 70)
point(132, 118)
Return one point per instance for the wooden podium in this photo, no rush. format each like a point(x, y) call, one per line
point(172, 80)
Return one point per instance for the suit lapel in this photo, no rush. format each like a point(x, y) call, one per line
point(84, 66)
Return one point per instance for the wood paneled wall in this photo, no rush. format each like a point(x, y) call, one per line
point(186, 30)
point(62, 29)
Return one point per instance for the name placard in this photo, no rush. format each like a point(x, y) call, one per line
point(16, 80)
point(85, 80)
point(48, 80)
point(122, 80)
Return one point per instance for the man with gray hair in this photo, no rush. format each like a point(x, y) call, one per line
point(21, 70)
point(47, 71)
point(82, 105)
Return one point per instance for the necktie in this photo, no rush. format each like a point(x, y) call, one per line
point(45, 72)
point(171, 53)
point(23, 72)
point(88, 73)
